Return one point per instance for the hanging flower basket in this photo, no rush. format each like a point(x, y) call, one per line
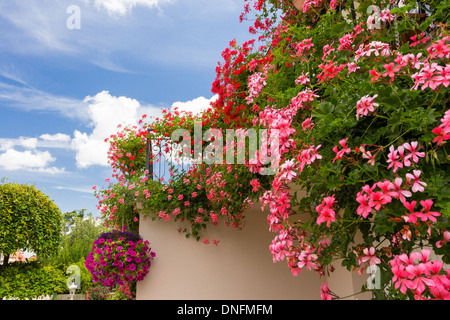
point(119, 257)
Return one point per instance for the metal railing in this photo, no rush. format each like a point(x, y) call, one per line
point(158, 163)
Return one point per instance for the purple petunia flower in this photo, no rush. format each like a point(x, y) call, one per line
point(105, 261)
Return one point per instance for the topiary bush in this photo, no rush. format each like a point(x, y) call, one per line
point(29, 220)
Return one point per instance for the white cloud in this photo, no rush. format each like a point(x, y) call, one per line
point(56, 137)
point(122, 7)
point(77, 189)
point(32, 159)
point(195, 106)
point(187, 33)
point(28, 160)
point(29, 98)
point(35, 24)
point(58, 140)
point(14, 160)
point(10, 72)
point(29, 143)
point(90, 150)
point(49, 170)
point(6, 144)
point(106, 113)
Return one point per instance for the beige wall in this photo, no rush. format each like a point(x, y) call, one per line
point(345, 284)
point(240, 267)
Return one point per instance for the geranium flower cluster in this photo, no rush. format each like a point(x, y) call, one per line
point(365, 105)
point(196, 193)
point(127, 149)
point(443, 130)
point(256, 83)
point(326, 211)
point(398, 159)
point(119, 257)
point(418, 274)
point(363, 122)
point(375, 197)
point(370, 173)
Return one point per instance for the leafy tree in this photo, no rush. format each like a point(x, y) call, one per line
point(29, 220)
point(79, 230)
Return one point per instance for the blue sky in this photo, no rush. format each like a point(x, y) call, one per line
point(68, 78)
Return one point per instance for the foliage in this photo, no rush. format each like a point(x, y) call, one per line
point(29, 220)
point(86, 282)
point(31, 280)
point(128, 149)
point(98, 292)
point(79, 232)
point(119, 257)
point(359, 100)
point(201, 195)
point(127, 291)
point(367, 114)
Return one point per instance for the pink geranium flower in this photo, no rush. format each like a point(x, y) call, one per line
point(325, 293)
point(340, 153)
point(399, 192)
point(439, 49)
point(417, 184)
point(394, 159)
point(365, 105)
point(391, 70)
point(413, 149)
point(365, 208)
point(288, 170)
point(326, 211)
point(302, 79)
point(256, 83)
point(375, 75)
point(369, 255)
point(411, 217)
point(425, 214)
point(378, 199)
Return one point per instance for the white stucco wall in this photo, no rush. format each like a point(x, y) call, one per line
point(240, 267)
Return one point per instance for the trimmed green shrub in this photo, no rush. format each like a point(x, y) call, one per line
point(30, 280)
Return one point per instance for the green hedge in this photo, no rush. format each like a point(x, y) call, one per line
point(85, 276)
point(30, 280)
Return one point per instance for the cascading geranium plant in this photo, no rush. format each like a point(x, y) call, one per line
point(358, 93)
point(119, 258)
point(361, 93)
point(199, 194)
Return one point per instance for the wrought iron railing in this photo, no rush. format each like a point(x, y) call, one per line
point(159, 163)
